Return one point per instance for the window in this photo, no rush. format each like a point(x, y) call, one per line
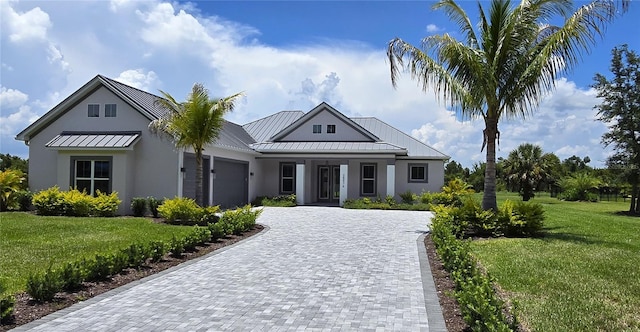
point(317, 129)
point(368, 179)
point(287, 178)
point(91, 175)
point(418, 173)
point(331, 129)
point(110, 110)
point(94, 110)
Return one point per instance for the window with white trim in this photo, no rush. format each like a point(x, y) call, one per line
point(331, 129)
point(287, 178)
point(93, 110)
point(418, 172)
point(317, 129)
point(368, 179)
point(110, 110)
point(91, 174)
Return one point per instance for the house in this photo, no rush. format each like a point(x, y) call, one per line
point(98, 139)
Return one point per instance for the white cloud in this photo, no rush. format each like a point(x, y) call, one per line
point(139, 79)
point(431, 28)
point(170, 46)
point(13, 123)
point(11, 98)
point(24, 26)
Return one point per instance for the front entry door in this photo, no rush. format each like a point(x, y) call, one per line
point(329, 183)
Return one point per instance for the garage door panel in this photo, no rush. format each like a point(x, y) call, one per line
point(230, 185)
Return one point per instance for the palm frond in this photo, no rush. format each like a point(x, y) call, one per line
point(460, 17)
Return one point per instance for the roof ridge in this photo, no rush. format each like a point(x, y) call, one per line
point(111, 80)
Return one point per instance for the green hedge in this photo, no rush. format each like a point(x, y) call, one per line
point(73, 203)
point(481, 308)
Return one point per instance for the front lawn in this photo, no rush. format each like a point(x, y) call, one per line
point(584, 275)
point(29, 243)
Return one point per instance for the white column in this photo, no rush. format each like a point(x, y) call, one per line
point(300, 184)
point(344, 180)
point(180, 172)
point(391, 180)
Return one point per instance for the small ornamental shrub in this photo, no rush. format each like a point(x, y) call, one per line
point(10, 183)
point(176, 246)
point(390, 200)
point(279, 201)
point(7, 303)
point(24, 198)
point(139, 206)
point(106, 205)
point(99, 268)
point(210, 215)
point(72, 275)
point(217, 231)
point(43, 287)
point(157, 250)
point(49, 202)
point(77, 203)
point(408, 197)
point(182, 211)
point(137, 254)
point(153, 204)
point(239, 220)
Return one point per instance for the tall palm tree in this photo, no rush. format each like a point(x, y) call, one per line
point(504, 67)
point(194, 123)
point(526, 167)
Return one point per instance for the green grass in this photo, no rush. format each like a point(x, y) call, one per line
point(29, 243)
point(584, 275)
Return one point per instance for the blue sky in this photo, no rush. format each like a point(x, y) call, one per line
point(284, 55)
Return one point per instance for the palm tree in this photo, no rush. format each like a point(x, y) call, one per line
point(194, 123)
point(526, 167)
point(506, 66)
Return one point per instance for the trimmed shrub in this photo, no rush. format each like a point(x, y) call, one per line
point(139, 206)
point(77, 203)
point(99, 268)
point(50, 202)
point(137, 254)
point(157, 250)
point(182, 211)
point(210, 215)
point(153, 204)
point(72, 276)
point(24, 198)
point(105, 205)
point(279, 201)
point(43, 287)
point(239, 220)
point(217, 231)
point(176, 246)
point(7, 303)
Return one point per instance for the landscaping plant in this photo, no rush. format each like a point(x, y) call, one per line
point(139, 206)
point(7, 303)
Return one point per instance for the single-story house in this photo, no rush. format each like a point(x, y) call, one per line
point(98, 138)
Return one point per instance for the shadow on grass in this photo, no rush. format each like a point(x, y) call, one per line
point(570, 237)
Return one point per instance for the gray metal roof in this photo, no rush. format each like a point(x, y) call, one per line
point(263, 129)
point(394, 136)
point(143, 99)
point(233, 136)
point(328, 147)
point(106, 140)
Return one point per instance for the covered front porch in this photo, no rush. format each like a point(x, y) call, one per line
point(329, 181)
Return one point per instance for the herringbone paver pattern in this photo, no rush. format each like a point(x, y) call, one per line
point(316, 268)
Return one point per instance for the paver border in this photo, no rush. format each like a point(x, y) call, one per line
point(431, 301)
point(123, 288)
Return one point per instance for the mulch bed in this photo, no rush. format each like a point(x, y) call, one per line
point(27, 310)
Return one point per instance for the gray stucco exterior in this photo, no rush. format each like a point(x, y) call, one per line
point(322, 159)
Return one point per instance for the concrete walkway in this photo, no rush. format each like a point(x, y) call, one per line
point(315, 268)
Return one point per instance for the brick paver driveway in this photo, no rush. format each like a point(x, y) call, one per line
point(315, 268)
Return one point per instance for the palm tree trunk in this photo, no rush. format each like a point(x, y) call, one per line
point(489, 198)
point(199, 177)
